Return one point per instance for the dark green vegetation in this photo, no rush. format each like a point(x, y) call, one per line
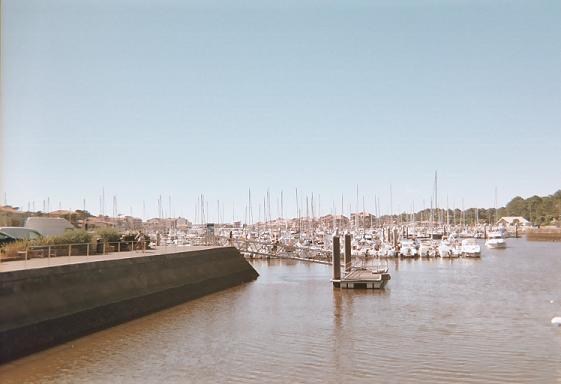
point(539, 210)
point(545, 210)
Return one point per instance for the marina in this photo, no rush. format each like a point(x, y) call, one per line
point(280, 192)
point(290, 325)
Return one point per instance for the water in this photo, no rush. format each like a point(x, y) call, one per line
point(438, 321)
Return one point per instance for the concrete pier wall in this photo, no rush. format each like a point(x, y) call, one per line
point(43, 307)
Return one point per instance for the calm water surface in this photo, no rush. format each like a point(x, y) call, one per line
point(438, 321)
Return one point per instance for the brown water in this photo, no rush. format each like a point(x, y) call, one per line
point(438, 321)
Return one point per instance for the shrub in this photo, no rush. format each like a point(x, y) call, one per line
point(76, 236)
point(109, 235)
point(10, 250)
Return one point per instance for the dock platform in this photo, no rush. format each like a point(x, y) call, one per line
point(363, 279)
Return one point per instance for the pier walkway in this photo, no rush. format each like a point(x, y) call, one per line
point(275, 249)
point(46, 262)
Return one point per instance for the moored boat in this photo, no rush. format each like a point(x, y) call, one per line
point(470, 248)
point(495, 240)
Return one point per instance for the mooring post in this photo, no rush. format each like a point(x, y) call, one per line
point(336, 260)
point(348, 247)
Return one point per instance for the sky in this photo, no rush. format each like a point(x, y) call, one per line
point(142, 99)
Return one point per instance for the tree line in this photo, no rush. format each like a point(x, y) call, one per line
point(539, 210)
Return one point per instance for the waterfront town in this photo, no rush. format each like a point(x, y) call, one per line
point(435, 232)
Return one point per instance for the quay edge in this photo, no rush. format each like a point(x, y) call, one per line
point(43, 307)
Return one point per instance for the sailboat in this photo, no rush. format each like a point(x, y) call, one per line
point(495, 239)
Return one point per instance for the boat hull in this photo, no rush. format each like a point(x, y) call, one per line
point(496, 245)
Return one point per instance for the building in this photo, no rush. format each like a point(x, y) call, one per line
point(96, 222)
point(49, 226)
point(161, 225)
point(334, 221)
point(362, 219)
point(183, 223)
point(512, 221)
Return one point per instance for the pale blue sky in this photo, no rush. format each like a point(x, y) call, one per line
point(181, 98)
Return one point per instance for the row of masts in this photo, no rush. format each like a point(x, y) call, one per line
point(306, 207)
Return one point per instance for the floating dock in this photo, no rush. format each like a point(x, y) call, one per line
point(363, 278)
point(355, 278)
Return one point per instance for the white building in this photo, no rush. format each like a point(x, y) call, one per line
point(512, 221)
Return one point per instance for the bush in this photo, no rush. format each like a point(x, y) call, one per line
point(129, 236)
point(11, 250)
point(110, 235)
point(76, 236)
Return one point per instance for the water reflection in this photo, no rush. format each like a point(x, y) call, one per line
point(438, 321)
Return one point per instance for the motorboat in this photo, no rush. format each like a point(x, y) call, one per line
point(495, 240)
point(387, 250)
point(445, 248)
point(470, 248)
point(449, 248)
point(427, 248)
point(407, 248)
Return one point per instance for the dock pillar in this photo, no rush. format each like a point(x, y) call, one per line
point(336, 261)
point(348, 248)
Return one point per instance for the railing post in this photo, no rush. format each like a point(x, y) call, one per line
point(88, 249)
point(49, 252)
point(132, 246)
point(119, 246)
point(69, 249)
point(26, 251)
point(104, 243)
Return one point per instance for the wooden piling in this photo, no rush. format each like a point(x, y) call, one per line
point(348, 249)
point(336, 260)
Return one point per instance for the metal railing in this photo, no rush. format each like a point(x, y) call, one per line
point(79, 249)
point(253, 247)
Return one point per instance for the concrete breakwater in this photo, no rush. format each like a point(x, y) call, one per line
point(45, 306)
